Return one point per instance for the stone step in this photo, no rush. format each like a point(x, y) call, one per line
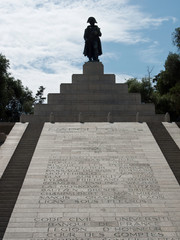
point(5, 128)
point(117, 109)
point(96, 87)
point(91, 79)
point(93, 118)
point(168, 147)
point(106, 98)
point(13, 177)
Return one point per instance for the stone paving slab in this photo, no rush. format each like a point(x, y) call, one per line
point(97, 181)
point(9, 146)
point(174, 131)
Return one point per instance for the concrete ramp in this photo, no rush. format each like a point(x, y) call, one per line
point(97, 181)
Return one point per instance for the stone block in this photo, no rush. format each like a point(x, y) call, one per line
point(93, 68)
point(46, 109)
point(96, 87)
point(105, 78)
point(93, 97)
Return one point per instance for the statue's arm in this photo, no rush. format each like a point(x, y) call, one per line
point(86, 34)
point(99, 32)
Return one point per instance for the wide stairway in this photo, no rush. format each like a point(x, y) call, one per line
point(13, 177)
point(92, 181)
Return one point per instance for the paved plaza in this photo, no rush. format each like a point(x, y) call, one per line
point(97, 181)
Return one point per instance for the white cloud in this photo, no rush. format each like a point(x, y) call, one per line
point(122, 78)
point(44, 38)
point(150, 55)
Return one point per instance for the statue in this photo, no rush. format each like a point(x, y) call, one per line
point(92, 47)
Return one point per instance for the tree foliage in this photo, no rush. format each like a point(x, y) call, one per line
point(39, 95)
point(164, 90)
point(176, 38)
point(168, 78)
point(4, 65)
point(144, 87)
point(167, 86)
point(14, 97)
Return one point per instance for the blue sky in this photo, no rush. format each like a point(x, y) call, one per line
point(43, 39)
point(134, 59)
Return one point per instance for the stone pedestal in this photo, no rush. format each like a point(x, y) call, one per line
point(93, 68)
point(94, 94)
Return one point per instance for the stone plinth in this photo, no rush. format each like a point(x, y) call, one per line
point(94, 94)
point(93, 68)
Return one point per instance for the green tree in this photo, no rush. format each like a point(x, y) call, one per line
point(134, 86)
point(175, 99)
point(4, 66)
point(144, 87)
point(39, 95)
point(168, 78)
point(167, 83)
point(146, 90)
point(167, 86)
point(14, 97)
point(176, 38)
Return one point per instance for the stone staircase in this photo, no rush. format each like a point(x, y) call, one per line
point(94, 95)
point(134, 184)
point(168, 147)
point(5, 128)
point(13, 177)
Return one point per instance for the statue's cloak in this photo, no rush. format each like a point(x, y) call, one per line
point(92, 41)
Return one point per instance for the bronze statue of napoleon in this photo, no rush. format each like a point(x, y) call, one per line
point(92, 36)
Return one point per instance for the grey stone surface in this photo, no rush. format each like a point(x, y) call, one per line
point(91, 117)
point(99, 98)
point(174, 131)
point(7, 149)
point(97, 181)
point(96, 87)
point(94, 94)
point(167, 117)
point(93, 68)
point(91, 79)
point(118, 109)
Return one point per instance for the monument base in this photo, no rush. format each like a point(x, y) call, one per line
point(94, 95)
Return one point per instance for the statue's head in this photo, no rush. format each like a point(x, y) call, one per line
point(91, 20)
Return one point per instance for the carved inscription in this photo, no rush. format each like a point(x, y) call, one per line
point(93, 175)
point(118, 228)
point(98, 180)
